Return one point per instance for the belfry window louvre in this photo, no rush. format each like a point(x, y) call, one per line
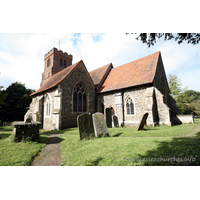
point(48, 62)
point(79, 98)
point(129, 106)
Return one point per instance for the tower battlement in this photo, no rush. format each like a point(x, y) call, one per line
point(54, 61)
point(59, 52)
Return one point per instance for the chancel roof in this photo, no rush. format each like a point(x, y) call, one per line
point(138, 72)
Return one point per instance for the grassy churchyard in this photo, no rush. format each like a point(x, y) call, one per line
point(164, 146)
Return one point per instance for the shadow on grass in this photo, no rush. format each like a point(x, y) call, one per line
point(54, 140)
point(4, 135)
point(58, 131)
point(95, 162)
point(117, 135)
point(43, 139)
point(182, 151)
point(6, 128)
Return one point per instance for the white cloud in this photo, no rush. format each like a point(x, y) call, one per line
point(23, 59)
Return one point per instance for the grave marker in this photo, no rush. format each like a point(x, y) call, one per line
point(100, 127)
point(142, 122)
point(85, 126)
point(115, 121)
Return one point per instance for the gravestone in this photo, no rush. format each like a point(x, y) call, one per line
point(100, 127)
point(85, 126)
point(115, 121)
point(142, 122)
point(108, 118)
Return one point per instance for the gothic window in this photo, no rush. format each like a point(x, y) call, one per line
point(64, 63)
point(61, 62)
point(48, 106)
point(79, 99)
point(129, 106)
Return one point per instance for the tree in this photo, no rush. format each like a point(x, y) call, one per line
point(174, 85)
point(150, 38)
point(185, 99)
point(195, 106)
point(16, 101)
point(2, 98)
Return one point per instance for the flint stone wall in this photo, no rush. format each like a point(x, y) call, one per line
point(145, 99)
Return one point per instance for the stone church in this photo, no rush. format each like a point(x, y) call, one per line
point(68, 90)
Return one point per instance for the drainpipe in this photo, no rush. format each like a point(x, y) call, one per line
point(122, 92)
point(42, 112)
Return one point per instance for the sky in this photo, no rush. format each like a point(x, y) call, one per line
point(22, 55)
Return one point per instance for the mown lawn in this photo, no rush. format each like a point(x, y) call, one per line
point(127, 147)
point(18, 154)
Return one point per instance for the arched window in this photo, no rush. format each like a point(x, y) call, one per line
point(79, 98)
point(48, 106)
point(129, 106)
point(61, 62)
point(64, 63)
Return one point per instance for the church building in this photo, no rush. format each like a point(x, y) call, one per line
point(130, 90)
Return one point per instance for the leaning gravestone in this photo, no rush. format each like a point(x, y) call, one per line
point(108, 118)
point(85, 126)
point(100, 127)
point(115, 121)
point(142, 122)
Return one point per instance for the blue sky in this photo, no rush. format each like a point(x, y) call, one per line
point(22, 55)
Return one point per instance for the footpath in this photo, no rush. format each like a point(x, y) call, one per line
point(51, 154)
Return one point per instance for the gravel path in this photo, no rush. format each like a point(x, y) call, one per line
point(51, 154)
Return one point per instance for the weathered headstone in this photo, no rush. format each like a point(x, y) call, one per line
point(108, 118)
point(100, 127)
point(115, 121)
point(85, 126)
point(142, 122)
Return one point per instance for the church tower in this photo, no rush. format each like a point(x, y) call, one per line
point(54, 61)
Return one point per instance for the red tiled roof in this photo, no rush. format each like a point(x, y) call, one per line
point(56, 79)
point(139, 72)
point(98, 74)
